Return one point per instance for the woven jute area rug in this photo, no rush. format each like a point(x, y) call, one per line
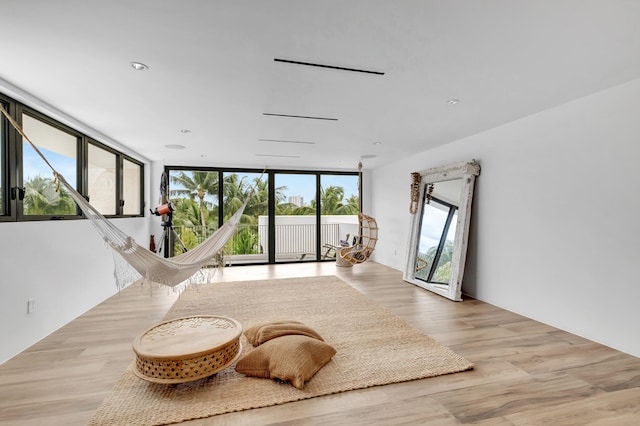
point(374, 347)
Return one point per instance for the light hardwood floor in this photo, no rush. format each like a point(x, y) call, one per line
point(526, 373)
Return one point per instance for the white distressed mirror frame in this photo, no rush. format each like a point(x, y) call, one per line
point(467, 171)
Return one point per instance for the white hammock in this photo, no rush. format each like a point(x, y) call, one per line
point(171, 272)
point(167, 271)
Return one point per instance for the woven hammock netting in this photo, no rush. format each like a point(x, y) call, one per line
point(133, 261)
point(175, 271)
point(183, 268)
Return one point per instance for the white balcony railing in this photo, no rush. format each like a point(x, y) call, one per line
point(291, 239)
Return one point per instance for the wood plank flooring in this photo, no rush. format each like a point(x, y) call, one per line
point(526, 373)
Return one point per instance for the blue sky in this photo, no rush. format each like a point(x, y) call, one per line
point(33, 165)
point(304, 184)
point(433, 221)
point(297, 184)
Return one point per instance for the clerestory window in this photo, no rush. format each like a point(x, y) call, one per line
point(112, 181)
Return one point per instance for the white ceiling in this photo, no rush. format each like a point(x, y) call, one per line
point(212, 71)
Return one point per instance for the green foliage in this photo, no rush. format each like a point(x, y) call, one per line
point(333, 202)
point(188, 237)
point(235, 190)
point(245, 241)
point(42, 197)
point(443, 272)
point(259, 203)
point(351, 207)
point(196, 185)
point(185, 212)
point(192, 212)
point(289, 209)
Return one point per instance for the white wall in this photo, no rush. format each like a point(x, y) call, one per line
point(555, 226)
point(63, 265)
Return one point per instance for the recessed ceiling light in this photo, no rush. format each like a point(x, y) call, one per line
point(185, 131)
point(138, 66)
point(174, 146)
point(453, 101)
point(377, 143)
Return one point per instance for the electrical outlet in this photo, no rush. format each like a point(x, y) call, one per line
point(31, 306)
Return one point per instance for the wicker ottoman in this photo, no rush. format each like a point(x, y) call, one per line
point(187, 349)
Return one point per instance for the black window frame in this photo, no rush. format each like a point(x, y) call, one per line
point(24, 110)
point(270, 175)
point(7, 157)
point(12, 179)
point(120, 158)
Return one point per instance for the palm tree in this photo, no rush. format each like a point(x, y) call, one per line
point(235, 191)
point(291, 209)
point(186, 212)
point(282, 207)
point(43, 198)
point(332, 199)
point(197, 185)
point(352, 206)
point(259, 202)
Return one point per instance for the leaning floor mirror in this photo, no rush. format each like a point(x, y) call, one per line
point(441, 212)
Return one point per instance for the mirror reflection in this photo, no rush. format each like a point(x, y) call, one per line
point(437, 231)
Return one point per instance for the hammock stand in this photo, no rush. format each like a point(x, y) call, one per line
point(365, 242)
point(177, 271)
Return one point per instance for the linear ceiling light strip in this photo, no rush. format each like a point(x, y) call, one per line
point(299, 116)
point(283, 141)
point(279, 156)
point(310, 64)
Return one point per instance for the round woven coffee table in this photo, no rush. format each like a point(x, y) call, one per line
point(187, 349)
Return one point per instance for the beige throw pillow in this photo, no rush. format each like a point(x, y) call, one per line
point(292, 358)
point(261, 333)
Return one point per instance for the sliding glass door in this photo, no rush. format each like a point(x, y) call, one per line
point(340, 204)
point(282, 222)
point(295, 217)
point(194, 198)
point(250, 242)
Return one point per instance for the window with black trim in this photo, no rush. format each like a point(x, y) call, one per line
point(131, 188)
point(41, 195)
point(102, 179)
point(4, 167)
point(112, 181)
point(282, 222)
